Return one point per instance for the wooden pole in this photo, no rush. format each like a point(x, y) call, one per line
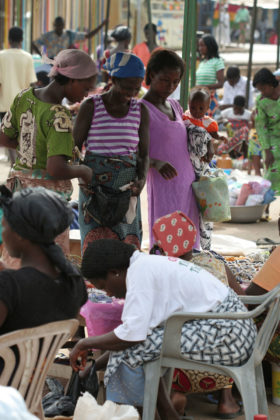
point(107, 24)
point(128, 13)
point(278, 36)
point(194, 43)
point(31, 24)
point(89, 25)
point(189, 23)
point(252, 39)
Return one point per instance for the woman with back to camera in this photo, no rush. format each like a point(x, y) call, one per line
point(210, 72)
point(171, 173)
point(46, 287)
point(40, 129)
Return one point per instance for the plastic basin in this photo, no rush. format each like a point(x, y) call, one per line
point(246, 214)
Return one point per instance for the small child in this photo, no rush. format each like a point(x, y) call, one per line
point(199, 101)
point(201, 129)
point(236, 120)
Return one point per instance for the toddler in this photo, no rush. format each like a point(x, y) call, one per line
point(199, 101)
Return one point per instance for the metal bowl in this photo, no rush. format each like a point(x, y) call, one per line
point(246, 214)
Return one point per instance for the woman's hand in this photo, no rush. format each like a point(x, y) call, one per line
point(166, 170)
point(269, 159)
point(137, 187)
point(78, 353)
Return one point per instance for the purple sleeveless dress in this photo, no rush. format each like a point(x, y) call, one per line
point(168, 142)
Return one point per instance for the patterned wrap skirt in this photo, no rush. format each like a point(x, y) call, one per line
point(226, 342)
point(113, 172)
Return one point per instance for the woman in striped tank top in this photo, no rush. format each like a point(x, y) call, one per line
point(114, 127)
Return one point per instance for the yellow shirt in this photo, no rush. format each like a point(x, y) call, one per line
point(16, 74)
point(269, 275)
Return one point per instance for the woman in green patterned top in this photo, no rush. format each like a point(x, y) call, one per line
point(210, 72)
point(40, 129)
point(268, 124)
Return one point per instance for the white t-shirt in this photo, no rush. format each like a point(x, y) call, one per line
point(16, 74)
point(230, 92)
point(158, 286)
point(229, 114)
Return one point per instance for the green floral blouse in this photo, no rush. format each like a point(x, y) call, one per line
point(41, 129)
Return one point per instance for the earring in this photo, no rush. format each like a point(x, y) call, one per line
point(117, 275)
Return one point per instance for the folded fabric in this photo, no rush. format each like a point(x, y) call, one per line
point(246, 190)
point(256, 187)
point(269, 197)
point(254, 200)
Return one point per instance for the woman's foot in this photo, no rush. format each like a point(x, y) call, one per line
point(227, 407)
point(179, 401)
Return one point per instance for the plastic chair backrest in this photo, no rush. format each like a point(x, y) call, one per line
point(171, 346)
point(27, 355)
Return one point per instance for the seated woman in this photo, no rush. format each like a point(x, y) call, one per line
point(175, 237)
point(47, 287)
point(150, 285)
point(236, 120)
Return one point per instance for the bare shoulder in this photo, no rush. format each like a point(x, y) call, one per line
point(87, 108)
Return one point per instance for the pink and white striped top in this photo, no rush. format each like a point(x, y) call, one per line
point(110, 136)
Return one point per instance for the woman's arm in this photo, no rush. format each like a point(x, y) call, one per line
point(103, 342)
point(233, 283)
point(6, 141)
point(3, 312)
point(83, 122)
point(143, 152)
point(220, 80)
point(59, 168)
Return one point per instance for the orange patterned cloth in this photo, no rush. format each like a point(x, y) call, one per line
point(206, 122)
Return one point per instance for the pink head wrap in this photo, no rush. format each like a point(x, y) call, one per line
point(75, 64)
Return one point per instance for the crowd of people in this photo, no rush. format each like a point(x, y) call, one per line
point(127, 134)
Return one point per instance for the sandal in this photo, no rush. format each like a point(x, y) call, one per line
point(266, 241)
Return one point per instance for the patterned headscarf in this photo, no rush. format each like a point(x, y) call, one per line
point(75, 64)
point(175, 233)
point(122, 65)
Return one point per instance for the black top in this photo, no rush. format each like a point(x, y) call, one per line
point(33, 298)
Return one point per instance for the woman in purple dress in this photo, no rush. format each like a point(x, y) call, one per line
point(171, 173)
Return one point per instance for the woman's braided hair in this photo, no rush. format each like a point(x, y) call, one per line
point(104, 255)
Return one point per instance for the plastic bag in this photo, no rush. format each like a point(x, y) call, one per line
point(88, 409)
point(78, 385)
point(102, 318)
point(212, 197)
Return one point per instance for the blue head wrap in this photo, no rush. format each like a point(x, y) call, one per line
point(122, 65)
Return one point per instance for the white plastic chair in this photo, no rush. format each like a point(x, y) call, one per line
point(248, 377)
point(27, 356)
